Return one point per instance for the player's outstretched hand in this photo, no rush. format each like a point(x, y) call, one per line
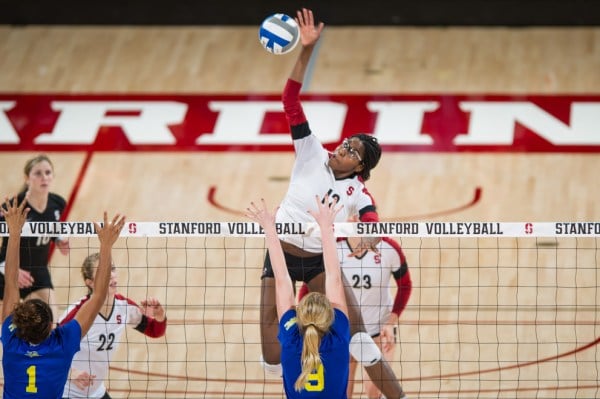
point(261, 215)
point(326, 212)
point(151, 307)
point(309, 33)
point(82, 379)
point(109, 232)
point(14, 214)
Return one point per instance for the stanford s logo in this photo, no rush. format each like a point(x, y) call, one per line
point(132, 228)
point(528, 228)
point(350, 191)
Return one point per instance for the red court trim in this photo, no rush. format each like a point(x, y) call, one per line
point(77, 185)
point(74, 192)
point(426, 216)
point(420, 378)
point(212, 190)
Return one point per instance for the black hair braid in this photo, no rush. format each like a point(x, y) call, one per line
point(372, 153)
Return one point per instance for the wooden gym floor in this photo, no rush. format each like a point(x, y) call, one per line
point(173, 186)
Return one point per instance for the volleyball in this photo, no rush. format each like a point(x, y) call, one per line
point(279, 34)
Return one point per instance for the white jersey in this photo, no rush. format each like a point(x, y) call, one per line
point(312, 176)
point(370, 278)
point(100, 343)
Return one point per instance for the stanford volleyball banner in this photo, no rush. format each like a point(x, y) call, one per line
point(442, 123)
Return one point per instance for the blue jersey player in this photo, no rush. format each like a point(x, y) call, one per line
point(37, 358)
point(315, 335)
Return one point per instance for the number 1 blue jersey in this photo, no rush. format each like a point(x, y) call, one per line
point(38, 371)
point(331, 380)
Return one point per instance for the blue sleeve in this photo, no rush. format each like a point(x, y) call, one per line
point(341, 325)
point(71, 333)
point(288, 328)
point(5, 331)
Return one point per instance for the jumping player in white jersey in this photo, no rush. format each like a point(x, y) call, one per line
point(340, 175)
point(90, 365)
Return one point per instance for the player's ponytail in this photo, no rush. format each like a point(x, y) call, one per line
point(315, 317)
point(87, 269)
point(311, 360)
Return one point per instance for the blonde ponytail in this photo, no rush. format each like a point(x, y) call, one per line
point(315, 317)
point(311, 359)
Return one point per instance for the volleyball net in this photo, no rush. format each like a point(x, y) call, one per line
point(498, 310)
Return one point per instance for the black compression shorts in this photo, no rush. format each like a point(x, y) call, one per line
point(41, 279)
point(300, 269)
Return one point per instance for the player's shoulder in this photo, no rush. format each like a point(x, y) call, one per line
point(341, 323)
point(57, 200)
point(359, 182)
point(123, 300)
point(288, 319)
point(351, 185)
point(6, 324)
point(72, 310)
point(340, 314)
point(391, 251)
point(390, 243)
point(390, 246)
point(70, 328)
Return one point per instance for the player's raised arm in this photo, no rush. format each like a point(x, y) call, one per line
point(309, 35)
point(15, 216)
point(284, 288)
point(107, 234)
point(334, 287)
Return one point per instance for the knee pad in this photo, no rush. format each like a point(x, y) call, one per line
point(273, 370)
point(364, 349)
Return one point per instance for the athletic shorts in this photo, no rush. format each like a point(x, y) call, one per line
point(41, 280)
point(300, 269)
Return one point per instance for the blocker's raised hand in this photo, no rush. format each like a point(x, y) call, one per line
point(261, 215)
point(14, 214)
point(109, 232)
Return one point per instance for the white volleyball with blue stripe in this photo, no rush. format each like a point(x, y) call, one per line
point(279, 34)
